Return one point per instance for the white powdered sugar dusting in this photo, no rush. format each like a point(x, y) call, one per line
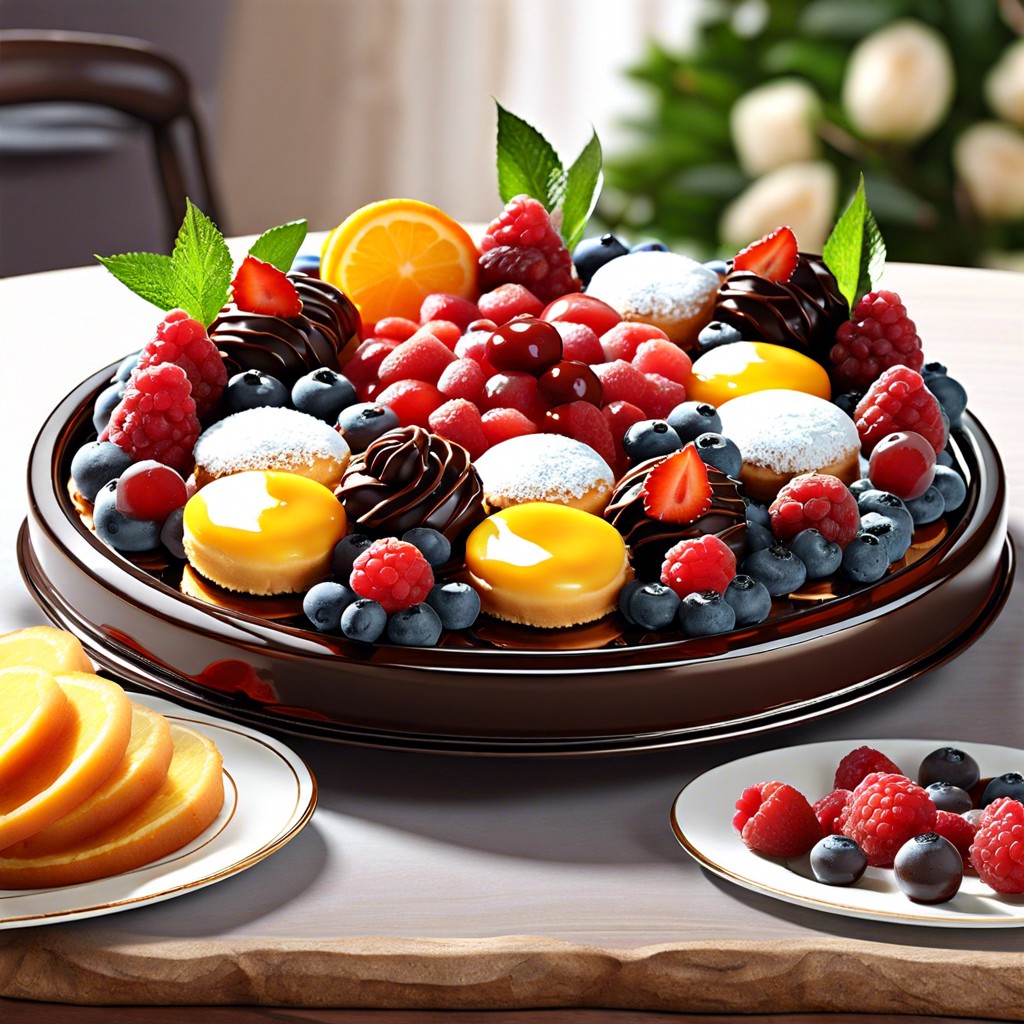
point(536, 467)
point(264, 438)
point(658, 285)
point(788, 431)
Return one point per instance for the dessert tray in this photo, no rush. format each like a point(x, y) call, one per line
point(269, 797)
point(701, 819)
point(510, 690)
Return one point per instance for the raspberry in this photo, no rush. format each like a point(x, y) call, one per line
point(462, 379)
point(365, 362)
point(412, 401)
point(583, 422)
point(440, 306)
point(862, 762)
point(661, 396)
point(829, 810)
point(664, 359)
point(698, 564)
point(522, 247)
point(392, 573)
point(997, 852)
point(815, 501)
point(508, 301)
point(623, 340)
point(183, 341)
point(620, 381)
point(885, 810)
point(775, 819)
point(445, 331)
point(579, 342)
point(157, 419)
point(501, 424)
point(422, 358)
point(879, 335)
point(395, 328)
point(899, 400)
point(996, 809)
point(459, 421)
point(957, 829)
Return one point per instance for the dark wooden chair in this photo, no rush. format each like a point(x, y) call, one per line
point(122, 74)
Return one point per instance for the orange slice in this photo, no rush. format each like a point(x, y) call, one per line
point(33, 714)
point(389, 256)
point(140, 774)
point(77, 762)
point(184, 806)
point(45, 647)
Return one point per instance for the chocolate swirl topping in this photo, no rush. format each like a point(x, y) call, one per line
point(649, 539)
point(288, 349)
point(802, 313)
point(410, 477)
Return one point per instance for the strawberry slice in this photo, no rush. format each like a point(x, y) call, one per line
point(260, 287)
point(677, 490)
point(773, 257)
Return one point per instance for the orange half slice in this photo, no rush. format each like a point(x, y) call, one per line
point(33, 713)
point(45, 647)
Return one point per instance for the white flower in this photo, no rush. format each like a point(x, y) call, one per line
point(1004, 84)
point(899, 82)
point(801, 195)
point(774, 125)
point(989, 160)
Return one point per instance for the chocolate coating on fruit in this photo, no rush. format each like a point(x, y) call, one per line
point(649, 539)
point(411, 477)
point(802, 313)
point(288, 349)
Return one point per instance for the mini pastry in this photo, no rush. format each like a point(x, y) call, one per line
point(785, 433)
point(271, 438)
point(546, 565)
point(545, 467)
point(263, 532)
point(670, 291)
point(743, 367)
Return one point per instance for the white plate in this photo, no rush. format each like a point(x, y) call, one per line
point(269, 795)
point(702, 821)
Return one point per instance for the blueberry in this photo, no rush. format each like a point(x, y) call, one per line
point(951, 395)
point(324, 603)
point(172, 533)
point(346, 551)
point(749, 598)
point(106, 402)
point(252, 389)
point(821, 557)
point(717, 333)
point(323, 393)
point(653, 606)
point(706, 613)
point(865, 559)
point(418, 626)
point(759, 537)
point(944, 459)
point(949, 764)
point(364, 620)
point(649, 438)
point(126, 366)
point(948, 797)
point(307, 263)
point(625, 595)
point(593, 253)
point(717, 266)
point(363, 423)
point(720, 452)
point(457, 604)
point(860, 486)
point(928, 507)
point(777, 568)
point(838, 860)
point(431, 544)
point(895, 531)
point(649, 246)
point(121, 532)
point(758, 514)
point(928, 869)
point(1009, 784)
point(691, 419)
point(96, 463)
point(882, 502)
point(950, 484)
point(933, 368)
point(848, 402)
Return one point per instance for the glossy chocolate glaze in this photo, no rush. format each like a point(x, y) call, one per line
point(802, 313)
point(649, 538)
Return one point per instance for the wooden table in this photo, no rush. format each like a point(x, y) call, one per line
point(435, 883)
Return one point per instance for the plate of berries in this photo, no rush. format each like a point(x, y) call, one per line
point(906, 831)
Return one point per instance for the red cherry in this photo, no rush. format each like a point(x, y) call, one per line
point(578, 308)
point(570, 381)
point(902, 463)
point(149, 490)
point(528, 344)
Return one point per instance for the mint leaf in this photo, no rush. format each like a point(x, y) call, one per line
point(202, 266)
point(855, 252)
point(279, 246)
point(148, 274)
point(582, 187)
point(527, 162)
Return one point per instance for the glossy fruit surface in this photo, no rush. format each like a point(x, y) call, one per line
point(529, 345)
point(928, 869)
point(149, 490)
point(902, 463)
point(569, 381)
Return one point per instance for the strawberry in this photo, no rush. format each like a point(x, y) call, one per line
point(677, 490)
point(773, 257)
point(260, 287)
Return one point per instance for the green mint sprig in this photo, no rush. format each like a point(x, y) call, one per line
point(855, 251)
point(528, 163)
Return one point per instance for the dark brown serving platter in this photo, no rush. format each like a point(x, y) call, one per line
point(511, 690)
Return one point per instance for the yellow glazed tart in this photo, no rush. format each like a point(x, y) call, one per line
point(743, 367)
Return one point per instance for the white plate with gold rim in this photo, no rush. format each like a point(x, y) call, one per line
point(702, 814)
point(269, 796)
